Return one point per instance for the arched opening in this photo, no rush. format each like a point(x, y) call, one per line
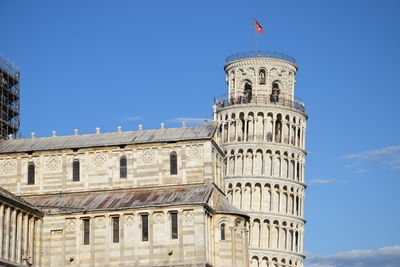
point(173, 163)
point(31, 173)
point(278, 128)
point(261, 76)
point(275, 92)
point(248, 91)
point(241, 127)
point(75, 170)
point(222, 231)
point(122, 167)
point(254, 262)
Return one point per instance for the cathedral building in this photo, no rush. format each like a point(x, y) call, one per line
point(226, 194)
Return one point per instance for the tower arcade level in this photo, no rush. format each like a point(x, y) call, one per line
point(262, 126)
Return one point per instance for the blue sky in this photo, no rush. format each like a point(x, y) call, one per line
point(88, 64)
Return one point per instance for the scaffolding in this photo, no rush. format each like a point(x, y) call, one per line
point(9, 100)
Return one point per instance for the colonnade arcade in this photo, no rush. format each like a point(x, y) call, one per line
point(19, 235)
point(265, 162)
point(273, 262)
point(276, 234)
point(256, 126)
point(269, 197)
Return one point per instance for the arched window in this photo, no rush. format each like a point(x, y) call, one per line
point(174, 225)
point(261, 75)
point(222, 231)
point(247, 86)
point(173, 164)
point(122, 167)
point(275, 92)
point(248, 91)
point(31, 173)
point(75, 170)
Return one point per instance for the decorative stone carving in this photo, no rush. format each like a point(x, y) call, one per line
point(56, 234)
point(158, 217)
point(8, 166)
point(129, 220)
point(188, 215)
point(100, 222)
point(194, 152)
point(98, 159)
point(53, 163)
point(70, 224)
point(148, 156)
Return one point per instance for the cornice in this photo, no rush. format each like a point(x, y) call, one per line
point(260, 61)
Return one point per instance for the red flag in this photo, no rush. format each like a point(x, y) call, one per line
point(258, 26)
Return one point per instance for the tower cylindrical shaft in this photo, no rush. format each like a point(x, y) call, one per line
point(262, 129)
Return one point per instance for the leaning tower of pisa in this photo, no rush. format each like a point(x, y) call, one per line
point(262, 126)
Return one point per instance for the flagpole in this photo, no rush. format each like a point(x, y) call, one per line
point(255, 36)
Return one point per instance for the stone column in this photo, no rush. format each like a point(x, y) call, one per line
point(244, 245)
point(273, 131)
point(252, 124)
point(279, 200)
point(236, 129)
point(38, 244)
point(269, 241)
point(223, 131)
point(302, 172)
point(300, 138)
point(19, 237)
point(272, 164)
point(253, 162)
point(241, 197)
point(245, 130)
point(7, 233)
point(255, 128)
point(13, 234)
point(233, 251)
point(25, 240)
point(31, 234)
point(1, 228)
point(229, 130)
point(301, 243)
point(264, 129)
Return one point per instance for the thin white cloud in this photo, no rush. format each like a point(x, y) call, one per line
point(388, 155)
point(375, 154)
point(361, 170)
point(196, 121)
point(321, 181)
point(383, 257)
point(133, 118)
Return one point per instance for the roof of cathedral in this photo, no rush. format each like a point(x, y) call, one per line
point(5, 194)
point(131, 199)
point(223, 206)
point(107, 139)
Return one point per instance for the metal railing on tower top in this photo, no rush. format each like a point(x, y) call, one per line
point(281, 100)
point(267, 54)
